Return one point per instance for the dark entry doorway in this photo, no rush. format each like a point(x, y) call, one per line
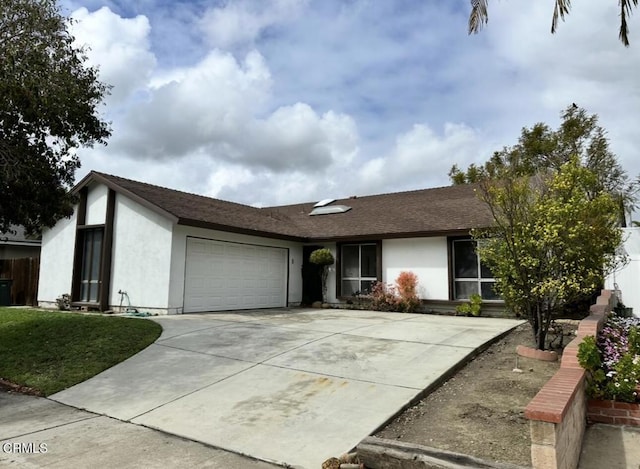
point(311, 278)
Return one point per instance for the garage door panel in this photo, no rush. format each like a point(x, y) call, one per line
point(221, 275)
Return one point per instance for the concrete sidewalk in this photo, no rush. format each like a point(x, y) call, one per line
point(610, 447)
point(37, 432)
point(285, 386)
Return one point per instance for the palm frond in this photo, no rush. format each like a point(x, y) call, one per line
point(561, 9)
point(479, 15)
point(625, 10)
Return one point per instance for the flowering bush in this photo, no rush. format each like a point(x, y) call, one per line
point(613, 361)
point(407, 290)
point(399, 297)
point(384, 297)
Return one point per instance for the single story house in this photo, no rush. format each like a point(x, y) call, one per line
point(164, 251)
point(15, 244)
point(19, 260)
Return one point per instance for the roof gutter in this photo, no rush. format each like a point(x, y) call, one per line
point(414, 234)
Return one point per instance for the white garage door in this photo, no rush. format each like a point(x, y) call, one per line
point(221, 275)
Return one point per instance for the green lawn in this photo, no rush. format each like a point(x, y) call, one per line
point(50, 351)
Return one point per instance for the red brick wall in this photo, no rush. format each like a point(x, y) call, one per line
point(615, 413)
point(558, 412)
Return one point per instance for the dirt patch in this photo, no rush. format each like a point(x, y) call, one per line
point(480, 411)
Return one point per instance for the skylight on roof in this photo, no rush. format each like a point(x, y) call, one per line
point(328, 210)
point(324, 202)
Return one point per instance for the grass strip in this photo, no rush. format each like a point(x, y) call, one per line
point(51, 351)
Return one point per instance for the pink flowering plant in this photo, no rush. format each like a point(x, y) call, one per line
point(402, 296)
point(612, 361)
point(384, 297)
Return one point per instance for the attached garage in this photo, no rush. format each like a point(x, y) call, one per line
point(222, 275)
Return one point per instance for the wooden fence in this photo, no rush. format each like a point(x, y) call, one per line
point(24, 273)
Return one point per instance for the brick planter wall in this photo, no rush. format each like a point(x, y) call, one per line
point(558, 413)
point(612, 412)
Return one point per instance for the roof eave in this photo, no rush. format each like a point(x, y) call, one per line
point(14, 242)
point(398, 235)
point(96, 177)
point(238, 230)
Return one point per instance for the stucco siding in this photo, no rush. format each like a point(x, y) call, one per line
point(141, 265)
point(425, 257)
point(625, 278)
point(178, 253)
point(96, 204)
point(56, 261)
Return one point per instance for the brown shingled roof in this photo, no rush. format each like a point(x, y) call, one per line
point(196, 210)
point(427, 212)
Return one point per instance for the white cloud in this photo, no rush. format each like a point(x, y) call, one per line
point(285, 101)
point(200, 106)
point(295, 138)
point(218, 107)
point(242, 21)
point(422, 157)
point(118, 46)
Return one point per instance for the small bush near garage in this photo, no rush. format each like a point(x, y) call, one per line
point(50, 351)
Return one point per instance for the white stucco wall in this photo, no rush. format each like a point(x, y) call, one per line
point(96, 204)
point(178, 253)
point(627, 278)
point(56, 256)
point(56, 261)
point(141, 265)
point(425, 257)
point(148, 258)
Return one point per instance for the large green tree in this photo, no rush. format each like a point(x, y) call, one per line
point(552, 241)
point(479, 16)
point(49, 102)
point(541, 148)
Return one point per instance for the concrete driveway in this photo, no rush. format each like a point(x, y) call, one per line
point(286, 386)
point(37, 432)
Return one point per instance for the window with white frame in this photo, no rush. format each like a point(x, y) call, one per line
point(359, 268)
point(470, 275)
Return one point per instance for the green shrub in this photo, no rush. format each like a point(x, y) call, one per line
point(324, 258)
point(472, 308)
point(321, 256)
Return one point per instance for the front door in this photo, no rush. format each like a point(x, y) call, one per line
point(311, 277)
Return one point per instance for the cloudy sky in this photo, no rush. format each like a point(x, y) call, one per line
point(270, 102)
